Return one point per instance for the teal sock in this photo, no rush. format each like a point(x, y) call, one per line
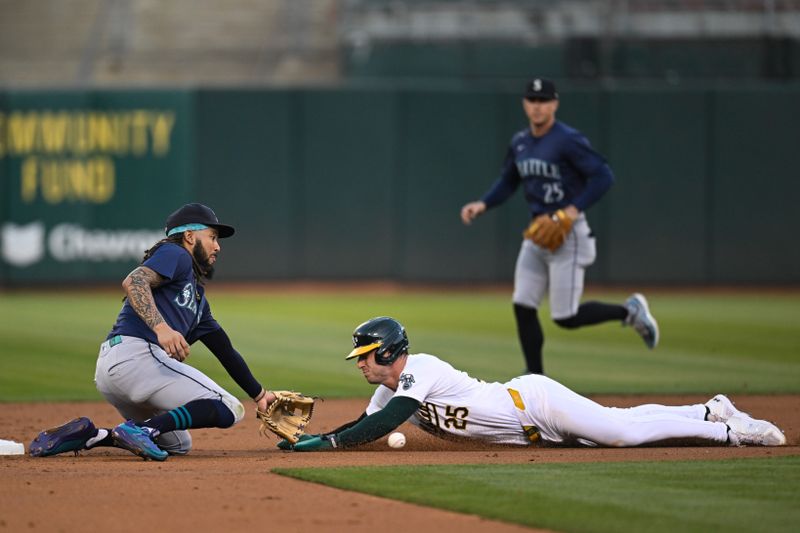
point(195, 414)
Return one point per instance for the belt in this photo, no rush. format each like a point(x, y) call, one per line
point(113, 341)
point(531, 432)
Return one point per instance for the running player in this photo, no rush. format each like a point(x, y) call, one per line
point(140, 368)
point(559, 172)
point(441, 400)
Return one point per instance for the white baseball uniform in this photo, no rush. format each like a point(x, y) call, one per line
point(531, 407)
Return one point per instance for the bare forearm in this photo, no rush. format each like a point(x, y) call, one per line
point(138, 285)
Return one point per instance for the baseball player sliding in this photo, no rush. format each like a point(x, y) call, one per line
point(140, 368)
point(562, 177)
point(441, 400)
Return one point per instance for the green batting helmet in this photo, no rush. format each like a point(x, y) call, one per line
point(384, 333)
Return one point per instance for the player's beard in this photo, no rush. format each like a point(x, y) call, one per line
point(201, 257)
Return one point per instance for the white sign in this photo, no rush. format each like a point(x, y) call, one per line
point(24, 245)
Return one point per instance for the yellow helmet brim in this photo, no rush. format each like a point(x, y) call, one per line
point(360, 350)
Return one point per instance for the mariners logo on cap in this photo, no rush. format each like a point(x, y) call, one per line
point(541, 88)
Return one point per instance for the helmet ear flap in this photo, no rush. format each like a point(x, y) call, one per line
point(393, 345)
point(381, 356)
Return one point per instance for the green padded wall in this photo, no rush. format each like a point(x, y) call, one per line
point(754, 226)
point(350, 184)
point(659, 151)
point(349, 197)
point(246, 170)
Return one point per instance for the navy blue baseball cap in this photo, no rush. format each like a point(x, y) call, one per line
point(541, 88)
point(196, 217)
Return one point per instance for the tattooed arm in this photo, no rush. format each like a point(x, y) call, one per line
point(139, 285)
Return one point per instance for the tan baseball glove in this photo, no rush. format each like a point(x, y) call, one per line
point(549, 231)
point(287, 416)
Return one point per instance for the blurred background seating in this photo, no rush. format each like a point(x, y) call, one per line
point(279, 42)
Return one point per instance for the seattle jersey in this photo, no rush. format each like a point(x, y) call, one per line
point(180, 300)
point(453, 402)
point(556, 170)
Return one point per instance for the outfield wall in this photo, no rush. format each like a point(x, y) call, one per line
point(347, 184)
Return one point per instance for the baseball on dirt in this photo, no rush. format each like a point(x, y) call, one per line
point(397, 440)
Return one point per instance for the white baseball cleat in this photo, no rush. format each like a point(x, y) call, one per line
point(720, 409)
point(743, 431)
point(641, 320)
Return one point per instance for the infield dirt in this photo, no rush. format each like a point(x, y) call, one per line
point(225, 483)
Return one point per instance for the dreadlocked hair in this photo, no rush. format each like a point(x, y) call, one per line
point(177, 238)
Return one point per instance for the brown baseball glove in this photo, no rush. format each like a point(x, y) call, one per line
point(549, 231)
point(287, 416)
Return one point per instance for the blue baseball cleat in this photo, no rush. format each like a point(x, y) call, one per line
point(641, 320)
point(69, 437)
point(137, 440)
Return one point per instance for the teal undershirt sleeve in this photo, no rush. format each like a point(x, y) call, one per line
point(378, 424)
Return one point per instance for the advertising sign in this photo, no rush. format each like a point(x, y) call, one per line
point(88, 179)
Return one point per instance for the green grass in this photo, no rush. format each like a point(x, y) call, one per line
point(734, 495)
point(733, 343)
point(710, 343)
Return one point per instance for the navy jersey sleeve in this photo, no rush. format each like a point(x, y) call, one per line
point(169, 261)
point(506, 184)
point(590, 164)
point(220, 345)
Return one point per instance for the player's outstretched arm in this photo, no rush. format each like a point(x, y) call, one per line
point(471, 211)
point(220, 345)
point(286, 445)
point(370, 428)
